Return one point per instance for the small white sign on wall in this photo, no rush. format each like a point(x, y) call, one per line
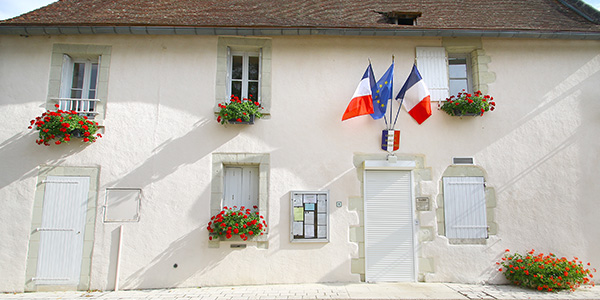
point(122, 205)
point(309, 217)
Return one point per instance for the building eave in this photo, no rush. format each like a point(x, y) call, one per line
point(36, 30)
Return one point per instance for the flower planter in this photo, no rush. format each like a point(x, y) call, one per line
point(468, 105)
point(458, 113)
point(249, 122)
point(234, 111)
point(61, 126)
point(76, 133)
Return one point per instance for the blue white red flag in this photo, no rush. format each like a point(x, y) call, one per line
point(382, 93)
point(415, 94)
point(362, 100)
point(390, 140)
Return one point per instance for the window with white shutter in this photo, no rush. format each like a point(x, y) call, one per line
point(465, 208)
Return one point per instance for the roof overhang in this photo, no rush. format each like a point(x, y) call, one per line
point(258, 31)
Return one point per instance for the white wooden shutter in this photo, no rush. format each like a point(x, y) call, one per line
point(240, 187)
point(250, 187)
point(232, 195)
point(66, 77)
point(389, 234)
point(62, 230)
point(433, 66)
point(464, 207)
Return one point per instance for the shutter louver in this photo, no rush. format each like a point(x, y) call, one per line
point(464, 207)
point(433, 66)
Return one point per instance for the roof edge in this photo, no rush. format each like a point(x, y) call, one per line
point(583, 9)
point(32, 30)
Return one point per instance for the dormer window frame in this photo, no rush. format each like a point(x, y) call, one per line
point(401, 17)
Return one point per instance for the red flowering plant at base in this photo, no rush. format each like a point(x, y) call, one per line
point(545, 271)
point(239, 110)
point(469, 104)
point(233, 221)
point(63, 126)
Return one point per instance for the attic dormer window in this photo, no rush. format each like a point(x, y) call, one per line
point(401, 17)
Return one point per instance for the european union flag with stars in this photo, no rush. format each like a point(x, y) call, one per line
point(382, 93)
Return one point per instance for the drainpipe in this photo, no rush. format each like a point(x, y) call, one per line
point(118, 258)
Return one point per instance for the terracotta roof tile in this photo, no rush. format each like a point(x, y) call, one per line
point(550, 15)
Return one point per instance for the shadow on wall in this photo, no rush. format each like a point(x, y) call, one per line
point(177, 152)
point(181, 259)
point(22, 156)
point(171, 268)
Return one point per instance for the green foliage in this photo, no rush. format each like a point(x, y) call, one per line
point(465, 103)
point(545, 272)
point(234, 221)
point(63, 126)
point(239, 110)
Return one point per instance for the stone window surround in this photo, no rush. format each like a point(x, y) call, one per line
point(480, 74)
point(244, 44)
point(80, 51)
point(490, 203)
point(88, 243)
point(219, 161)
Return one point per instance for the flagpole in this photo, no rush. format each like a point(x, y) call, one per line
point(392, 93)
point(398, 112)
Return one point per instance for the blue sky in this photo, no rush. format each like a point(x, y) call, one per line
point(13, 8)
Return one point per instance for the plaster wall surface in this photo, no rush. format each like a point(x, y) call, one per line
point(538, 149)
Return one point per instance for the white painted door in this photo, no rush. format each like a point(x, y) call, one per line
point(389, 227)
point(61, 232)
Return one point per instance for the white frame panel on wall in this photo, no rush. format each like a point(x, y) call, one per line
point(135, 217)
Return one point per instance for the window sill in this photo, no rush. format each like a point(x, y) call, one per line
point(455, 241)
point(262, 241)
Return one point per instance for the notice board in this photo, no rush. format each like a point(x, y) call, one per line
point(309, 216)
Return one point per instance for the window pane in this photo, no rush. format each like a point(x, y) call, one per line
point(457, 71)
point(236, 88)
point(78, 73)
point(92, 94)
point(253, 66)
point(76, 94)
point(253, 90)
point(236, 67)
point(457, 85)
point(94, 77)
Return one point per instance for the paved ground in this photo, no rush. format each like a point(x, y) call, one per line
point(351, 291)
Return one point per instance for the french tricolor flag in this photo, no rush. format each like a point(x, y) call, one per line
point(362, 100)
point(415, 93)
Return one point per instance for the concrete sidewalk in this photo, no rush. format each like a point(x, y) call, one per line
point(368, 291)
